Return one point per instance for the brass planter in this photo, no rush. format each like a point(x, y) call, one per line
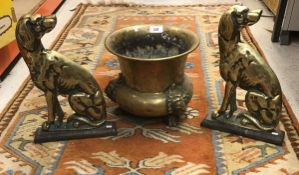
point(152, 59)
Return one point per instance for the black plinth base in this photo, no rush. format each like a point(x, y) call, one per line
point(275, 137)
point(107, 129)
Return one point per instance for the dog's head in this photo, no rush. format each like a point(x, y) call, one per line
point(32, 27)
point(242, 16)
point(236, 18)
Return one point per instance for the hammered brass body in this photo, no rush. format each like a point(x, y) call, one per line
point(139, 74)
point(55, 75)
point(242, 65)
point(152, 82)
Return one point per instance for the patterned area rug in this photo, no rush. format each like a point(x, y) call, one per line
point(141, 148)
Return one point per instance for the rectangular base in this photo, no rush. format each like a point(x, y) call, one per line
point(274, 137)
point(107, 129)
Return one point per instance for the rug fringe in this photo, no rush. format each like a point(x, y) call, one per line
point(13, 105)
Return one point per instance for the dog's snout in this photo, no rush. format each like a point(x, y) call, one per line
point(52, 17)
point(50, 21)
point(254, 15)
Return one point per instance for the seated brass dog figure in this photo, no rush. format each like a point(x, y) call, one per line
point(243, 66)
point(55, 75)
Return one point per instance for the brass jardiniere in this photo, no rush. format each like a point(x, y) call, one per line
point(152, 59)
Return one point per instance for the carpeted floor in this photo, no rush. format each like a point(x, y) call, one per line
point(141, 148)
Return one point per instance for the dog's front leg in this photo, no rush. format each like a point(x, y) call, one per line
point(58, 110)
point(229, 90)
point(232, 101)
point(51, 111)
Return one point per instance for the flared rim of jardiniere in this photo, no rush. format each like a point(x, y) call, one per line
point(185, 40)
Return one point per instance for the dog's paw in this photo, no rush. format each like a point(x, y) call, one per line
point(244, 122)
point(217, 114)
point(46, 126)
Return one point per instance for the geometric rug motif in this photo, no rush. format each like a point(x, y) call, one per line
point(141, 148)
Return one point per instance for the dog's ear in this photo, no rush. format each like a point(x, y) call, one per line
point(24, 36)
point(226, 26)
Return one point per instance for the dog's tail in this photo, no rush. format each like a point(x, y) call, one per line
point(248, 119)
point(77, 119)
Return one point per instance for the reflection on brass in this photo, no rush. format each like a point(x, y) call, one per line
point(56, 75)
point(242, 66)
point(152, 59)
